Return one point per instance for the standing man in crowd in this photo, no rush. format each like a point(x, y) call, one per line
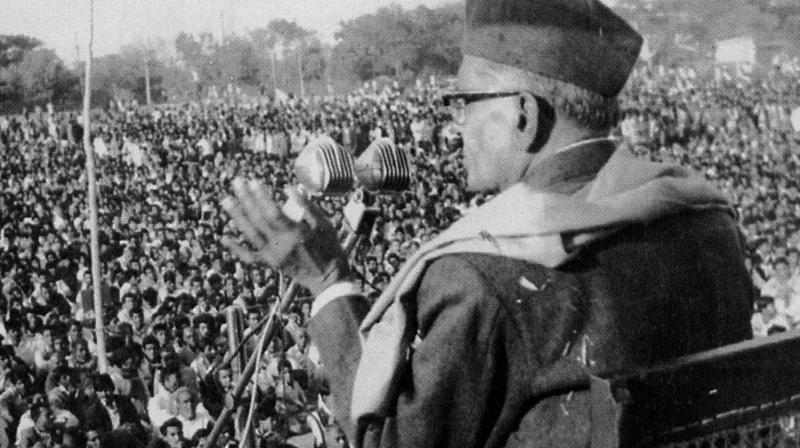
point(587, 261)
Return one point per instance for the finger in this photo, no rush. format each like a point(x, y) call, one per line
point(312, 214)
point(256, 211)
point(296, 206)
point(242, 253)
point(242, 191)
point(235, 209)
point(266, 206)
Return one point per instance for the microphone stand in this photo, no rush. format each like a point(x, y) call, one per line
point(268, 333)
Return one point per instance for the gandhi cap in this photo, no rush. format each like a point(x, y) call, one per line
point(578, 42)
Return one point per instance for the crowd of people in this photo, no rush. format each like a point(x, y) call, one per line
point(740, 134)
point(169, 284)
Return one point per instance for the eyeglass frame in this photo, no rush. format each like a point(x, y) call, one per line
point(472, 97)
point(547, 115)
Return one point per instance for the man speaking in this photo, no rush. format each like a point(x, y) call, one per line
point(587, 261)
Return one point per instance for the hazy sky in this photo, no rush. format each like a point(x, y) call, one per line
point(60, 23)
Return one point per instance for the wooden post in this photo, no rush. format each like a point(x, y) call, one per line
point(274, 63)
point(91, 190)
point(147, 81)
point(300, 69)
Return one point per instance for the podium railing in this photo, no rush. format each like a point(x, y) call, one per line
point(740, 395)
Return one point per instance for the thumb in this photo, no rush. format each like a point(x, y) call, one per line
point(299, 208)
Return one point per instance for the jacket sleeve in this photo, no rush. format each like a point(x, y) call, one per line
point(446, 395)
point(453, 370)
point(334, 330)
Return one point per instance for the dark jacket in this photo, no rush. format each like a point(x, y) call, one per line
point(97, 416)
point(504, 361)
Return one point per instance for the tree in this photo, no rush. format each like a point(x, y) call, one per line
point(293, 40)
point(199, 56)
point(42, 75)
point(233, 61)
point(13, 48)
point(400, 43)
point(30, 75)
point(383, 38)
point(143, 55)
point(238, 62)
point(315, 61)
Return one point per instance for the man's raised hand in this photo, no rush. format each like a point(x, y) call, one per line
point(305, 248)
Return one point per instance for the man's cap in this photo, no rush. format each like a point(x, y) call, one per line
point(578, 42)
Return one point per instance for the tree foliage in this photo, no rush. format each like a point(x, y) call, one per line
point(393, 41)
point(31, 75)
point(401, 43)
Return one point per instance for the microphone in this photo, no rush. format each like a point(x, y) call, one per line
point(383, 167)
point(324, 167)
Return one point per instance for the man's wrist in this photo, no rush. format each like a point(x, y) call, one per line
point(336, 272)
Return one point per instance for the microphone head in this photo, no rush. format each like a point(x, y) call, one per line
point(324, 167)
point(383, 167)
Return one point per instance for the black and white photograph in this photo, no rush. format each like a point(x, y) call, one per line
point(400, 224)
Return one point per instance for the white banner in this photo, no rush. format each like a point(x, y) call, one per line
point(133, 154)
point(100, 147)
point(796, 119)
point(736, 50)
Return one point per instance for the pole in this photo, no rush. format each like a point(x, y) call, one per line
point(300, 69)
point(274, 64)
point(147, 81)
point(92, 199)
point(222, 26)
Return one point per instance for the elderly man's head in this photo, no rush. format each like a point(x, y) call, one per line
point(186, 403)
point(532, 82)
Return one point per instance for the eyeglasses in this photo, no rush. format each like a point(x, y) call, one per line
point(457, 101)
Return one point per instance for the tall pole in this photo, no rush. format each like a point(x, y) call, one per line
point(222, 26)
point(92, 199)
point(300, 69)
point(274, 64)
point(147, 81)
point(77, 50)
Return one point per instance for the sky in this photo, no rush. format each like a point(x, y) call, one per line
point(63, 24)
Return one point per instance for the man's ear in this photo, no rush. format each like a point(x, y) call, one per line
point(528, 114)
point(536, 119)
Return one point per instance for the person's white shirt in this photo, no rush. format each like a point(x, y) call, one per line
point(296, 357)
point(201, 420)
point(163, 293)
point(786, 295)
point(205, 147)
point(25, 422)
point(200, 309)
point(761, 324)
point(158, 407)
